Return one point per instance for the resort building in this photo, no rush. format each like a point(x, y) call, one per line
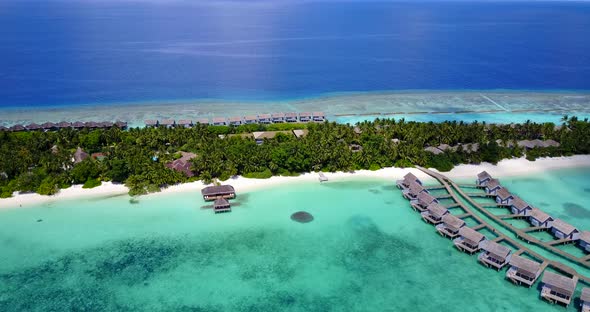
point(300, 133)
point(539, 218)
point(64, 124)
point(235, 121)
point(494, 255)
point(504, 197)
point(80, 155)
point(80, 125)
point(305, 117)
point(585, 299)
point(562, 230)
point(291, 117)
point(278, 117)
point(434, 213)
point(259, 136)
point(520, 207)
point(264, 118)
point(492, 187)
point(423, 200)
point(250, 120)
point(169, 123)
point(49, 126)
point(413, 191)
point(450, 226)
point(558, 288)
point(33, 127)
point(221, 205)
point(218, 191)
point(203, 121)
point(585, 240)
point(469, 240)
point(183, 164)
point(149, 123)
point(187, 123)
point(483, 178)
point(219, 121)
point(408, 179)
point(319, 117)
point(523, 271)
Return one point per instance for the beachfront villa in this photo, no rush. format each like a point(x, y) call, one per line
point(434, 213)
point(221, 205)
point(504, 197)
point(537, 217)
point(218, 191)
point(469, 240)
point(523, 270)
point(494, 255)
point(450, 226)
point(520, 207)
point(408, 179)
point(558, 288)
point(483, 178)
point(585, 299)
point(585, 240)
point(422, 201)
point(492, 187)
point(563, 230)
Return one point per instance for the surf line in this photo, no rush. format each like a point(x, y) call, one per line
point(500, 106)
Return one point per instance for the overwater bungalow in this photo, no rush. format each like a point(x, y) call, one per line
point(106, 124)
point(218, 191)
point(561, 230)
point(434, 213)
point(305, 117)
point(235, 121)
point(187, 123)
point(558, 288)
point(585, 240)
point(408, 179)
point(167, 123)
point(483, 178)
point(121, 124)
point(16, 128)
point(504, 197)
point(64, 124)
point(494, 255)
point(520, 207)
point(49, 126)
point(2, 128)
point(264, 118)
point(291, 117)
point(450, 226)
point(251, 119)
point(203, 121)
point(413, 190)
point(493, 186)
point(523, 271)
point(277, 117)
point(33, 127)
point(537, 217)
point(585, 299)
point(78, 125)
point(221, 205)
point(219, 121)
point(469, 240)
point(151, 123)
point(422, 201)
point(318, 117)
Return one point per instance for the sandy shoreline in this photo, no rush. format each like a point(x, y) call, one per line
point(505, 168)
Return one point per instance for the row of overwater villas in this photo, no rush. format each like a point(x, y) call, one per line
point(537, 218)
point(236, 121)
point(521, 271)
point(48, 126)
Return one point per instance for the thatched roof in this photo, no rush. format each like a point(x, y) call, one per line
point(519, 204)
point(483, 175)
point(433, 150)
point(500, 252)
point(425, 199)
point(585, 236)
point(92, 124)
point(33, 126)
point(585, 296)
point(551, 143)
point(291, 115)
point(217, 189)
point(493, 183)
point(264, 116)
point(540, 215)
point(524, 265)
point(48, 125)
point(299, 133)
point(564, 227)
point(17, 128)
point(526, 144)
point(278, 115)
point(471, 235)
point(259, 135)
point(318, 114)
point(80, 155)
point(64, 124)
point(220, 203)
point(167, 122)
point(453, 222)
point(410, 177)
point(503, 194)
point(437, 210)
point(305, 114)
point(559, 283)
point(2, 128)
point(203, 121)
point(415, 188)
point(78, 124)
point(121, 124)
point(357, 130)
point(151, 122)
point(106, 124)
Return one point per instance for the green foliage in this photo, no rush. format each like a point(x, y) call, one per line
point(85, 170)
point(259, 175)
point(49, 186)
point(91, 183)
point(374, 167)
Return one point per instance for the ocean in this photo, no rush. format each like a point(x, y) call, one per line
point(366, 250)
point(65, 53)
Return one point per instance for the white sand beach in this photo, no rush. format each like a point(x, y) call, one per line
point(505, 168)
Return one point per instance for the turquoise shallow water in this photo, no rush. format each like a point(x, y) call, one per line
point(366, 250)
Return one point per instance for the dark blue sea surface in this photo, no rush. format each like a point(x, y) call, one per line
point(72, 52)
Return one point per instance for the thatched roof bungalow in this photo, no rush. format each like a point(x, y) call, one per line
point(305, 117)
point(523, 271)
point(291, 117)
point(49, 126)
point(494, 255)
point(537, 217)
point(264, 118)
point(187, 123)
point(80, 155)
point(450, 226)
point(408, 179)
point(235, 121)
point(469, 240)
point(422, 201)
point(504, 197)
point(483, 178)
point(16, 128)
point(413, 190)
point(561, 230)
point(277, 117)
point(318, 116)
point(221, 205)
point(520, 207)
point(558, 288)
point(64, 124)
point(434, 213)
point(33, 127)
point(151, 123)
point(493, 186)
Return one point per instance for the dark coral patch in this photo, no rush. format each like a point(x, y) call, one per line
point(302, 217)
point(575, 210)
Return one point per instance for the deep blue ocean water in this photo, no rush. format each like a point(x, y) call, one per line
point(71, 52)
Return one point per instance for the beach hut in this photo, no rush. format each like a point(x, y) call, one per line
point(494, 255)
point(235, 121)
point(251, 119)
point(187, 123)
point(520, 207)
point(493, 186)
point(523, 270)
point(278, 117)
point(49, 126)
point(264, 118)
point(469, 240)
point(434, 213)
point(305, 117)
point(562, 230)
point(221, 205)
point(80, 155)
point(219, 121)
point(537, 217)
point(585, 240)
point(483, 178)
point(291, 117)
point(422, 201)
point(504, 197)
point(218, 191)
point(412, 192)
point(558, 288)
point(151, 123)
point(450, 226)
point(551, 143)
point(408, 179)
point(526, 144)
point(33, 127)
point(168, 123)
point(318, 117)
point(585, 299)
point(357, 130)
